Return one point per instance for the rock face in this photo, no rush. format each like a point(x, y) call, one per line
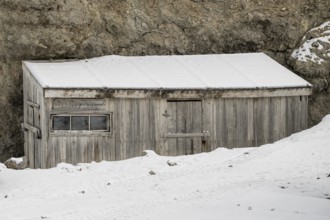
point(51, 29)
point(312, 61)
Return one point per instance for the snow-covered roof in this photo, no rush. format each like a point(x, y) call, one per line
point(223, 71)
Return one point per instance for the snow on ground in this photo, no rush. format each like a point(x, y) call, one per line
point(285, 180)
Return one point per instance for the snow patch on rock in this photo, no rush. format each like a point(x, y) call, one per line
point(315, 45)
point(16, 163)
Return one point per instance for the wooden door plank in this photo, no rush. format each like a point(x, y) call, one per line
point(197, 126)
point(187, 114)
point(130, 125)
point(151, 118)
point(171, 127)
point(158, 126)
point(181, 126)
point(161, 124)
point(209, 122)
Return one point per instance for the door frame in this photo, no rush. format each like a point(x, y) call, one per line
point(192, 142)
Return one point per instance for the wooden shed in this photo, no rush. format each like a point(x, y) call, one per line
point(115, 107)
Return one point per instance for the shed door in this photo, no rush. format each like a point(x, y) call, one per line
point(33, 138)
point(184, 127)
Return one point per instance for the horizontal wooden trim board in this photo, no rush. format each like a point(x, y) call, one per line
point(172, 94)
point(80, 133)
point(32, 104)
point(187, 135)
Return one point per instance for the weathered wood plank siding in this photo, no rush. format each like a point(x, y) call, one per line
point(137, 124)
point(247, 122)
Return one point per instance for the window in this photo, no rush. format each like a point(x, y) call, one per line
point(98, 122)
point(81, 123)
point(61, 123)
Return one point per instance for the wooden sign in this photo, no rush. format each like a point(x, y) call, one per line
point(79, 104)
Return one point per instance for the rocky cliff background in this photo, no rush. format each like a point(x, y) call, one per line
point(59, 29)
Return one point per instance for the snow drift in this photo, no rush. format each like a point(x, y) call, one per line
point(288, 179)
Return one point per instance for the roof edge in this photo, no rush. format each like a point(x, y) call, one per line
point(176, 93)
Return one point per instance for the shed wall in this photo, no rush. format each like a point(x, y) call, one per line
point(138, 124)
point(33, 120)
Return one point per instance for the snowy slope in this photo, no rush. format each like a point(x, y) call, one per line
point(285, 180)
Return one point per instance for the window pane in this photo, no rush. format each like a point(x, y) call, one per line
point(61, 122)
point(79, 123)
point(99, 122)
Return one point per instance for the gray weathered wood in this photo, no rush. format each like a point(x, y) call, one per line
point(31, 128)
point(185, 127)
point(175, 94)
point(180, 127)
point(170, 115)
point(187, 135)
point(32, 104)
